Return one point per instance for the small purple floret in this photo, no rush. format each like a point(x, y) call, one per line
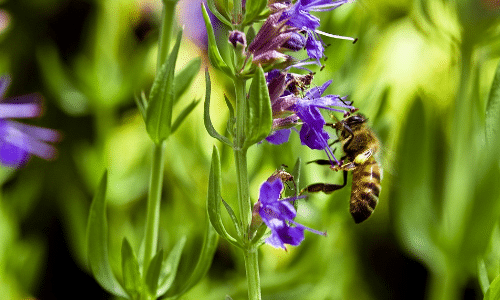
point(279, 215)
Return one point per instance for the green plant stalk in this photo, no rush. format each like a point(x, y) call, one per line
point(446, 285)
point(245, 205)
point(158, 162)
point(153, 209)
point(166, 32)
point(457, 193)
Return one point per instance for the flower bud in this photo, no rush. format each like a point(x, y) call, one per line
point(237, 39)
point(296, 42)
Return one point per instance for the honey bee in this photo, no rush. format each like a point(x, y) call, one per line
point(360, 145)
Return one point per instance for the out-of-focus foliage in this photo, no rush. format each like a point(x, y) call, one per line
point(438, 211)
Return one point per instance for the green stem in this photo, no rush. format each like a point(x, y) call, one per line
point(252, 272)
point(166, 32)
point(445, 286)
point(457, 193)
point(153, 209)
point(245, 205)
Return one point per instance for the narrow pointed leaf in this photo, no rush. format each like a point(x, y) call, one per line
point(132, 281)
point(253, 9)
point(184, 113)
point(214, 196)
point(169, 270)
point(185, 77)
point(153, 273)
point(142, 105)
point(259, 233)
point(206, 117)
point(482, 275)
point(493, 292)
point(217, 14)
point(232, 119)
point(231, 213)
point(214, 56)
point(207, 252)
point(258, 113)
point(159, 110)
point(97, 243)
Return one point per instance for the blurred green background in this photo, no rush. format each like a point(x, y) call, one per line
point(416, 70)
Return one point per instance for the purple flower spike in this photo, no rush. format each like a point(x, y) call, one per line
point(18, 141)
point(278, 214)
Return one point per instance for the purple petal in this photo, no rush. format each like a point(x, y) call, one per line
point(292, 235)
point(313, 138)
point(28, 110)
point(312, 117)
point(279, 137)
point(43, 134)
point(316, 92)
point(270, 191)
point(12, 134)
point(314, 47)
point(11, 155)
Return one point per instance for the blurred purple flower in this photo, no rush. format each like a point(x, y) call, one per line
point(279, 215)
point(19, 141)
point(190, 16)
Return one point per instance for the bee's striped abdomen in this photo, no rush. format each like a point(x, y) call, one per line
point(365, 190)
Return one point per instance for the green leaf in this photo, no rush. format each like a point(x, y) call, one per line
point(232, 119)
point(253, 9)
point(210, 241)
point(132, 281)
point(214, 198)
point(258, 113)
point(159, 109)
point(493, 109)
point(250, 35)
point(153, 273)
point(184, 113)
point(482, 275)
point(171, 265)
point(214, 56)
point(493, 292)
point(97, 243)
point(185, 77)
point(206, 116)
point(215, 11)
point(259, 233)
point(142, 104)
point(231, 213)
point(418, 175)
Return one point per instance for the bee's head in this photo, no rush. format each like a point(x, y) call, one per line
point(350, 123)
point(354, 120)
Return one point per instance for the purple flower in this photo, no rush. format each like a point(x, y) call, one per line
point(298, 15)
point(279, 214)
point(289, 108)
point(18, 141)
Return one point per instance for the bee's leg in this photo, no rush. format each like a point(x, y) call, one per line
point(333, 143)
point(322, 162)
point(345, 167)
point(326, 188)
point(363, 157)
